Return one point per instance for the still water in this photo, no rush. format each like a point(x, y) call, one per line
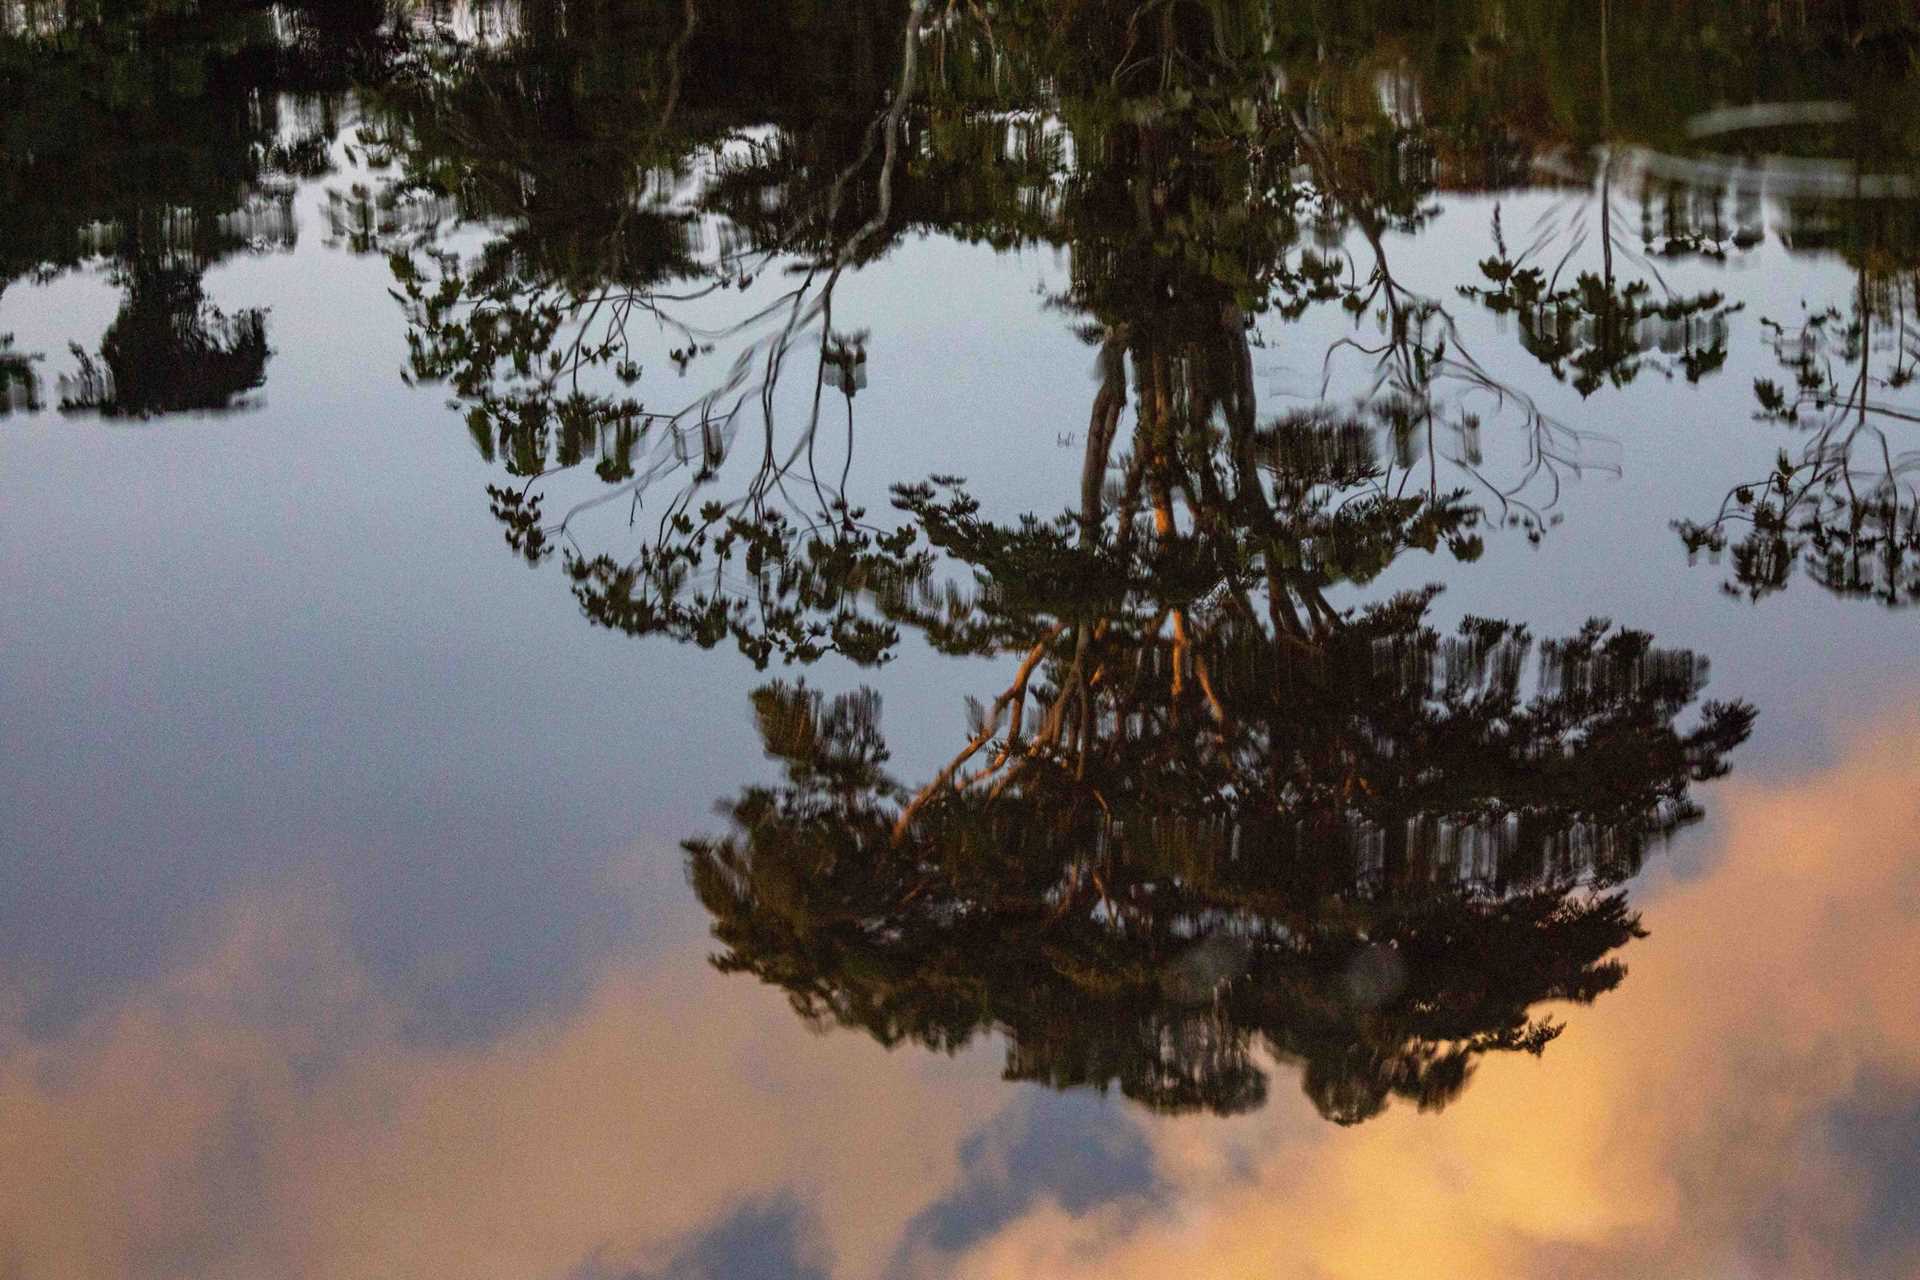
point(715, 639)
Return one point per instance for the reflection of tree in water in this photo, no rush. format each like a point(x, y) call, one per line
point(19, 381)
point(540, 353)
point(1814, 86)
point(1196, 824)
point(1015, 134)
point(1593, 327)
point(159, 141)
point(1843, 506)
point(1148, 924)
point(540, 336)
point(169, 350)
point(1599, 329)
point(1211, 813)
point(1845, 509)
point(1214, 812)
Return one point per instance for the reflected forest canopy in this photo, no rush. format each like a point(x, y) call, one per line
point(1229, 802)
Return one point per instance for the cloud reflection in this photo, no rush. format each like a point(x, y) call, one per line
point(263, 1111)
point(1692, 1125)
point(1728, 1112)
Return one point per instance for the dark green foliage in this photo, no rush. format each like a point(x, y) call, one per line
point(1391, 859)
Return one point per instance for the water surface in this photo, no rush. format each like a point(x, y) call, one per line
point(702, 639)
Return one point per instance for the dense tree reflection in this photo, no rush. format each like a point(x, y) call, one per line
point(1220, 810)
point(1150, 925)
point(170, 350)
point(1197, 823)
point(1212, 814)
point(156, 168)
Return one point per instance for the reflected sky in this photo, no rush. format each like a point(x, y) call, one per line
point(1710, 1117)
point(345, 916)
point(1742, 1105)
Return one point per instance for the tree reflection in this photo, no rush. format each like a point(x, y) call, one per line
point(539, 349)
point(1203, 822)
point(1843, 506)
point(156, 142)
point(169, 350)
point(1222, 808)
point(19, 380)
point(1213, 815)
point(1229, 800)
point(1845, 509)
point(632, 187)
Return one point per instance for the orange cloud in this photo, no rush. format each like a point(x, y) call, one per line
point(260, 1113)
point(1680, 1127)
